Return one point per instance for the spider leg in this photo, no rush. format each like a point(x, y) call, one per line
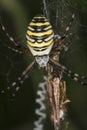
point(66, 30)
point(11, 48)
point(18, 48)
point(69, 25)
point(15, 86)
point(65, 46)
point(57, 66)
point(58, 39)
point(57, 43)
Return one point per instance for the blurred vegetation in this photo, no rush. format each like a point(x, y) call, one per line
point(19, 114)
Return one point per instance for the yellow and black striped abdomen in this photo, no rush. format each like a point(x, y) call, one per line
point(40, 36)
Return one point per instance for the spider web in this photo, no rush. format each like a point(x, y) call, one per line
point(59, 12)
point(60, 15)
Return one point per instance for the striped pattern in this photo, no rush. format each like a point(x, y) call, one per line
point(40, 36)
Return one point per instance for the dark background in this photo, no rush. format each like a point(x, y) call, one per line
point(19, 114)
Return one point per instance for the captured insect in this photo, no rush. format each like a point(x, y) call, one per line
point(45, 46)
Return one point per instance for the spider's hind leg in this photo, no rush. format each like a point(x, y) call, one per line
point(17, 47)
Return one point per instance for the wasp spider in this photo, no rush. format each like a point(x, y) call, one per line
point(45, 46)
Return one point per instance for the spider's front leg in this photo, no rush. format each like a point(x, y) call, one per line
point(15, 86)
point(76, 77)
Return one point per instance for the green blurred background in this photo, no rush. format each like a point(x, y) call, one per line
point(19, 114)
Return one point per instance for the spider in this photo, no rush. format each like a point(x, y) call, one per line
point(41, 42)
point(45, 46)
